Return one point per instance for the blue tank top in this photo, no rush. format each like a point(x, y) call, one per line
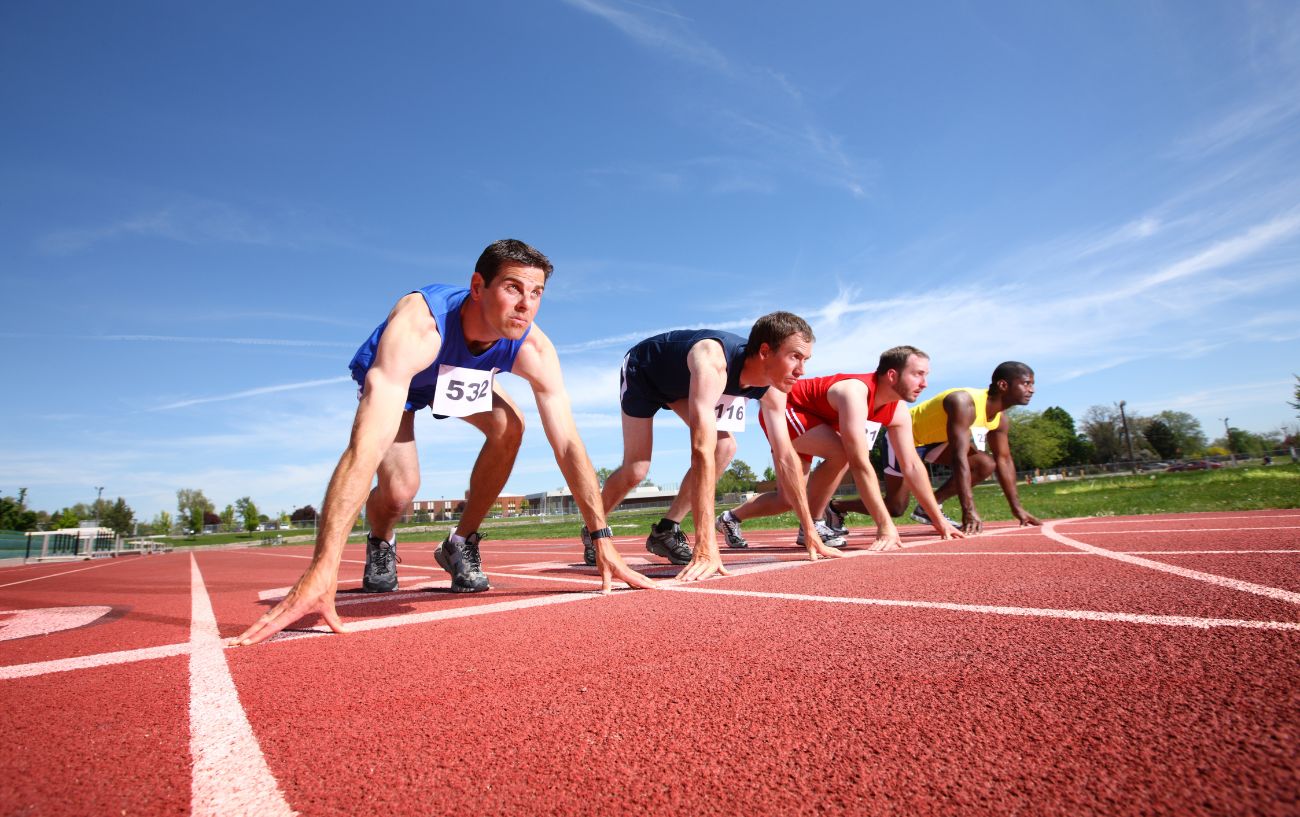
point(657, 365)
point(444, 305)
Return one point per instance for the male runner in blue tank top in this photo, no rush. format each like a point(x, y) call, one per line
point(703, 375)
point(440, 347)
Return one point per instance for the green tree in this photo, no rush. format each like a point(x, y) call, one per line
point(228, 519)
point(14, 514)
point(1036, 441)
point(1295, 404)
point(191, 506)
point(161, 524)
point(248, 513)
point(1162, 439)
point(1189, 438)
point(65, 519)
point(1078, 450)
point(1101, 425)
point(1244, 443)
point(119, 517)
point(769, 475)
point(737, 479)
point(602, 474)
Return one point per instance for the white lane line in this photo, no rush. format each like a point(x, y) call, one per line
point(65, 572)
point(1184, 530)
point(1033, 612)
point(1291, 552)
point(437, 615)
point(229, 775)
point(104, 659)
point(1049, 530)
point(1189, 518)
point(15, 624)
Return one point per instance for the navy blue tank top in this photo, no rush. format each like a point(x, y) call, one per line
point(444, 305)
point(656, 367)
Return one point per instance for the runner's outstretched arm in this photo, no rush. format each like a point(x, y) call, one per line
point(999, 441)
point(708, 366)
point(789, 472)
point(850, 399)
point(961, 413)
point(540, 366)
point(916, 477)
point(409, 344)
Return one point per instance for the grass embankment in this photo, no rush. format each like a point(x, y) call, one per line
point(1228, 489)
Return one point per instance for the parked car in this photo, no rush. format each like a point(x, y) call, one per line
point(1196, 465)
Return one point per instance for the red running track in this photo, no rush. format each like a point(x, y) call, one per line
point(1119, 666)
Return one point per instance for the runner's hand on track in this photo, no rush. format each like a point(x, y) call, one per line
point(705, 562)
point(971, 524)
point(1027, 519)
point(887, 538)
point(612, 566)
point(947, 531)
point(314, 593)
point(817, 549)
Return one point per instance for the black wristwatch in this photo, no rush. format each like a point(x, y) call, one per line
point(603, 533)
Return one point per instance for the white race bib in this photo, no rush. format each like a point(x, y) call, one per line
point(873, 431)
point(731, 413)
point(979, 436)
point(462, 392)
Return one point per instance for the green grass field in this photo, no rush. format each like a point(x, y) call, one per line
point(1228, 489)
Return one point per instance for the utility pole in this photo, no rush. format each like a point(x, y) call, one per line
point(99, 498)
point(1227, 438)
point(1127, 437)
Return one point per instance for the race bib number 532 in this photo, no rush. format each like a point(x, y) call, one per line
point(462, 392)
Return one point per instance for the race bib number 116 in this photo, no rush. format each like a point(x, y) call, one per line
point(731, 413)
point(462, 392)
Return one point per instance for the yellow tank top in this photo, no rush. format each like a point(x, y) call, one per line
point(930, 421)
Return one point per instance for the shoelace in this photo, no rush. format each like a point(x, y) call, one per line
point(683, 546)
point(385, 555)
point(470, 551)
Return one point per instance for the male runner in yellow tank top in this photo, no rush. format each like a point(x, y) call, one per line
point(965, 430)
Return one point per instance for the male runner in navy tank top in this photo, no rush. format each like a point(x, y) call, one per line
point(700, 375)
point(838, 418)
point(440, 347)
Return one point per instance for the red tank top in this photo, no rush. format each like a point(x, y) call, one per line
point(809, 394)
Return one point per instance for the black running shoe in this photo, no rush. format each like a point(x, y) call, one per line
point(381, 566)
point(730, 530)
point(835, 521)
point(463, 563)
point(829, 537)
point(588, 548)
point(671, 545)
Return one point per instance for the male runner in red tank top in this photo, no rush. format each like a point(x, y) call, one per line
point(838, 419)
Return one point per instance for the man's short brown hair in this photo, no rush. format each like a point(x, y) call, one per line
point(896, 359)
point(773, 328)
point(510, 251)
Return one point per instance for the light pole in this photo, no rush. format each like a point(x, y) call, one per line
point(1127, 436)
point(99, 498)
point(1227, 438)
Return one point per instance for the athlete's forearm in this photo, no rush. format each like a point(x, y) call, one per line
point(703, 443)
point(790, 483)
point(579, 475)
point(348, 488)
point(1006, 471)
point(917, 480)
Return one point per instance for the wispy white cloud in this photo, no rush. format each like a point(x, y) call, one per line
point(787, 137)
point(306, 384)
point(186, 339)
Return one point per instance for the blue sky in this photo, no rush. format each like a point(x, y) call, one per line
point(207, 207)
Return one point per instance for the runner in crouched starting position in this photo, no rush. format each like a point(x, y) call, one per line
point(705, 376)
point(967, 430)
point(441, 347)
point(838, 418)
